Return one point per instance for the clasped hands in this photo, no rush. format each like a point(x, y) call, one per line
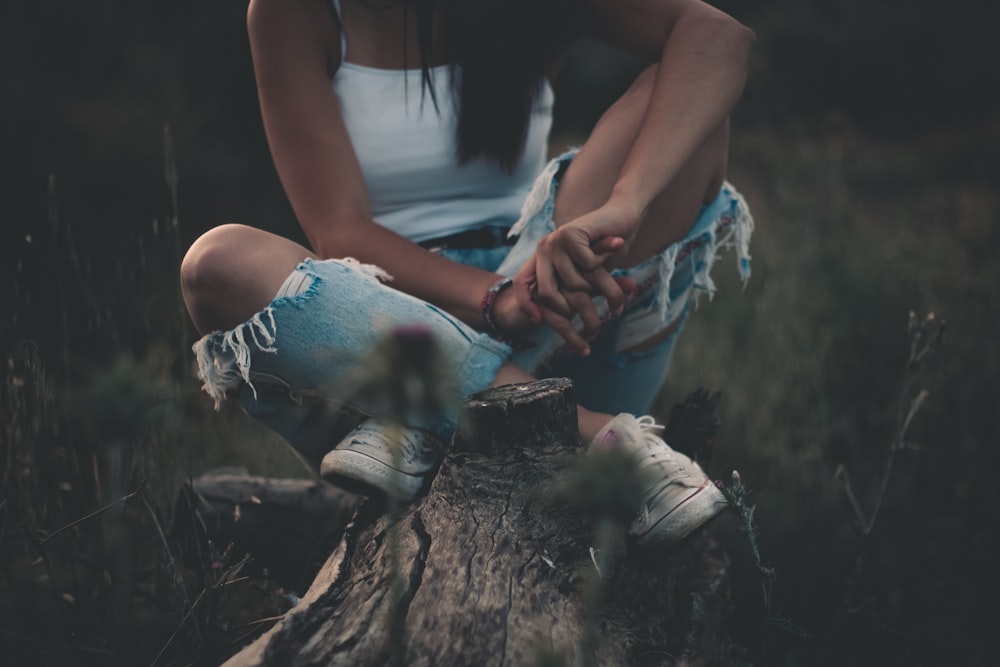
point(570, 267)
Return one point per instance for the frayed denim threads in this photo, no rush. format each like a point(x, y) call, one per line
point(612, 379)
point(315, 339)
point(311, 340)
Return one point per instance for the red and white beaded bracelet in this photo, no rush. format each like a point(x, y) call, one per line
point(488, 318)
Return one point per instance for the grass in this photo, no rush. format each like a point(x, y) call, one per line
point(852, 234)
point(102, 424)
point(103, 420)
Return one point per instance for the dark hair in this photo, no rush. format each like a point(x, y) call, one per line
point(500, 47)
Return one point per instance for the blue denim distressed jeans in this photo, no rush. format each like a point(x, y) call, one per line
point(300, 346)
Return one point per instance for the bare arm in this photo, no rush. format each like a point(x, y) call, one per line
point(703, 58)
point(295, 46)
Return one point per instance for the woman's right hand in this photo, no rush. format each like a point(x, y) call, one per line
point(510, 317)
point(516, 321)
point(523, 308)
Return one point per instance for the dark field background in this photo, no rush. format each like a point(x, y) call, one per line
point(868, 147)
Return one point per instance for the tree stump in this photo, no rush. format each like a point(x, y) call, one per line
point(495, 565)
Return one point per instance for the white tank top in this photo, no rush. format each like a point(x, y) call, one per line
point(408, 153)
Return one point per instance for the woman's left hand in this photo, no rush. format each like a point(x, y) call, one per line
point(569, 269)
point(574, 257)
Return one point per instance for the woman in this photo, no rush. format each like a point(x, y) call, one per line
point(410, 136)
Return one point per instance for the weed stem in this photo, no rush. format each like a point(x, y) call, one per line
point(96, 512)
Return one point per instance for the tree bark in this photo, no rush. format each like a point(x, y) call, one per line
point(497, 565)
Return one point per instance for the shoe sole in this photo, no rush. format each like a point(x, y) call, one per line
point(706, 503)
point(364, 474)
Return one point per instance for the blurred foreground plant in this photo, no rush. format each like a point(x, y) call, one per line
point(404, 379)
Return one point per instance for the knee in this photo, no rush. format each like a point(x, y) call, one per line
point(206, 268)
point(204, 263)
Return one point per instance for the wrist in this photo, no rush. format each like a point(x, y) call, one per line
point(487, 306)
point(628, 205)
point(499, 320)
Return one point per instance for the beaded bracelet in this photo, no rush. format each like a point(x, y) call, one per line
point(487, 304)
point(491, 324)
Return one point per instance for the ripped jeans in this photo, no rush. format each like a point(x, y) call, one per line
point(296, 351)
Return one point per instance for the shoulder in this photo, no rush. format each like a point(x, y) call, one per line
point(310, 24)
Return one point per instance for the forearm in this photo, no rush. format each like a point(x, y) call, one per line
point(700, 77)
point(453, 287)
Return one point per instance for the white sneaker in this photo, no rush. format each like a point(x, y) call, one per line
point(380, 456)
point(678, 496)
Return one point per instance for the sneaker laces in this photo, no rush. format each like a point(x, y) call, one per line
point(647, 423)
point(663, 466)
point(653, 450)
point(401, 444)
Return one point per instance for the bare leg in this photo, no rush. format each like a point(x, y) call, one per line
point(589, 423)
point(234, 271)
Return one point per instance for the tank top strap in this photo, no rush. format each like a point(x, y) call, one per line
point(343, 35)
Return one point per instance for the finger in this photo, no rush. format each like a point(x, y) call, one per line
point(522, 293)
point(584, 256)
point(524, 282)
point(606, 285)
point(628, 285)
point(570, 276)
point(607, 245)
point(548, 292)
point(590, 317)
point(564, 327)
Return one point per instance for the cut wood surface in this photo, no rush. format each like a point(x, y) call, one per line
point(495, 565)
